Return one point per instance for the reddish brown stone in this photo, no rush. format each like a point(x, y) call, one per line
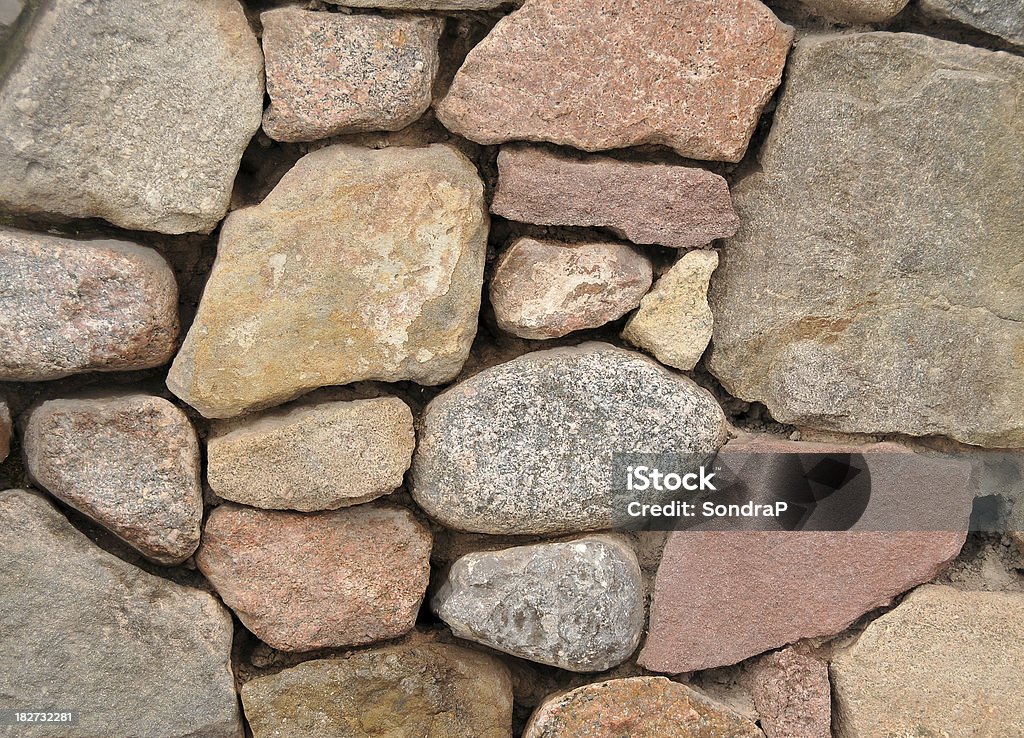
point(638, 707)
point(792, 695)
point(546, 289)
point(301, 582)
point(604, 74)
point(676, 206)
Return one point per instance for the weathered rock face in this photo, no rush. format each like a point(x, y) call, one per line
point(425, 4)
point(80, 629)
point(331, 73)
point(307, 581)
point(848, 237)
point(75, 306)
point(408, 691)
point(855, 11)
point(319, 457)
point(578, 605)
point(952, 667)
point(131, 113)
point(602, 74)
point(792, 695)
point(638, 707)
point(647, 203)
point(5, 429)
point(526, 446)
point(674, 321)
point(1004, 18)
point(547, 289)
point(361, 264)
point(130, 463)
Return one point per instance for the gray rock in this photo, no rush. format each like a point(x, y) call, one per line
point(527, 446)
point(943, 663)
point(428, 690)
point(1003, 18)
point(875, 284)
point(426, 4)
point(5, 429)
point(319, 457)
point(134, 654)
point(855, 11)
point(578, 605)
point(9, 12)
point(131, 463)
point(73, 306)
point(136, 113)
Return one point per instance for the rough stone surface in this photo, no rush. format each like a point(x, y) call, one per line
point(578, 605)
point(603, 74)
point(637, 707)
point(1003, 18)
point(74, 306)
point(891, 157)
point(792, 695)
point(134, 654)
point(674, 206)
point(943, 663)
point(331, 73)
point(134, 113)
point(131, 463)
point(526, 446)
point(855, 11)
point(361, 264)
point(318, 457)
point(5, 430)
point(547, 289)
point(426, 4)
point(408, 691)
point(674, 321)
point(306, 581)
point(721, 597)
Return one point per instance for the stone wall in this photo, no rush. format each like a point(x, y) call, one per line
point(320, 325)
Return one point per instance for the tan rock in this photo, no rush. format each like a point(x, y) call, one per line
point(637, 707)
point(319, 457)
point(855, 11)
point(425, 4)
point(675, 206)
point(943, 663)
point(603, 74)
point(546, 289)
point(407, 691)
point(674, 321)
point(361, 264)
point(792, 695)
point(323, 580)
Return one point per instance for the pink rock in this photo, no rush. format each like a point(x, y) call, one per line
point(546, 289)
point(675, 206)
point(604, 74)
point(792, 695)
point(301, 582)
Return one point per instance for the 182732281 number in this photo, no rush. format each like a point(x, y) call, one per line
point(21, 717)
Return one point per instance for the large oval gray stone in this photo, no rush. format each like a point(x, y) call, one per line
point(876, 283)
point(526, 446)
point(578, 605)
point(82, 630)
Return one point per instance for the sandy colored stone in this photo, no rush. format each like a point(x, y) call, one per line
point(647, 203)
point(425, 4)
point(578, 605)
point(131, 463)
point(317, 457)
point(855, 11)
point(407, 691)
point(9, 12)
point(526, 447)
point(1003, 18)
point(835, 304)
point(943, 663)
point(6, 431)
point(547, 289)
point(1017, 537)
point(74, 306)
point(332, 73)
point(360, 264)
point(602, 74)
point(135, 113)
point(637, 707)
point(321, 580)
point(792, 695)
point(674, 321)
point(80, 629)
